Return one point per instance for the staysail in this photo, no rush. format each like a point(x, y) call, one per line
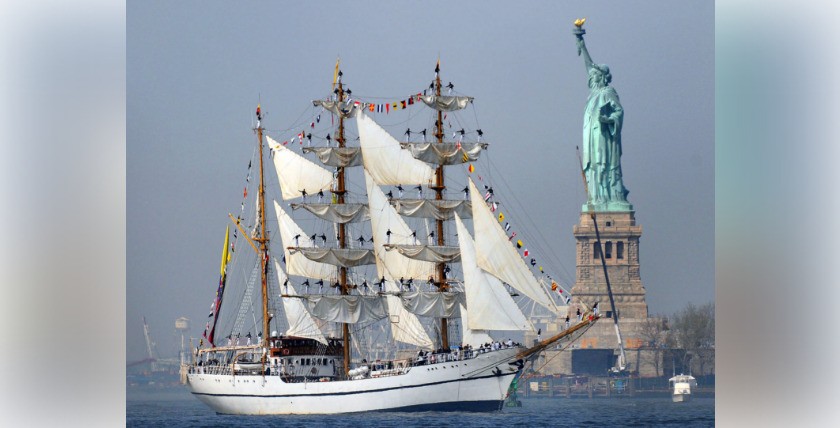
point(405, 327)
point(297, 263)
point(300, 322)
point(497, 256)
point(474, 338)
point(385, 160)
point(298, 174)
point(490, 305)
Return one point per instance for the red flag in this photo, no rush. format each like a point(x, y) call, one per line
point(387, 108)
point(471, 169)
point(245, 193)
point(526, 253)
point(371, 107)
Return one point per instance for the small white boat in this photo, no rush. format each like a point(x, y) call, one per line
point(681, 387)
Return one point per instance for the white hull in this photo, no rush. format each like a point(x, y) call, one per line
point(477, 384)
point(681, 398)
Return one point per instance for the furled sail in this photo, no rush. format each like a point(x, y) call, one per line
point(301, 323)
point(497, 256)
point(429, 253)
point(446, 102)
point(337, 213)
point(344, 257)
point(297, 263)
point(439, 209)
point(348, 309)
point(298, 174)
point(490, 305)
point(385, 160)
point(345, 109)
point(432, 304)
point(474, 338)
point(405, 327)
point(445, 153)
point(337, 156)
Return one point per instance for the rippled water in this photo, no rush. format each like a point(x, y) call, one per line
point(177, 408)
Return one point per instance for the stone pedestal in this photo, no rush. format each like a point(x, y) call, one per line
point(620, 237)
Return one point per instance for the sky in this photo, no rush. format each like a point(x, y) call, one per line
point(196, 70)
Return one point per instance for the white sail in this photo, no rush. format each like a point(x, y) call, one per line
point(432, 303)
point(348, 309)
point(297, 263)
point(497, 256)
point(439, 209)
point(446, 102)
point(445, 153)
point(301, 323)
point(474, 338)
point(384, 218)
point(337, 213)
point(385, 160)
point(405, 327)
point(429, 253)
point(490, 305)
point(297, 174)
point(343, 257)
point(337, 156)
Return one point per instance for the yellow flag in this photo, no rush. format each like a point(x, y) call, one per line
point(335, 73)
point(501, 217)
point(225, 256)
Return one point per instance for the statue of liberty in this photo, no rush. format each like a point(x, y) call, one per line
point(602, 122)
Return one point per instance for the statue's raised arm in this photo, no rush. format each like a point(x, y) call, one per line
point(581, 45)
point(587, 60)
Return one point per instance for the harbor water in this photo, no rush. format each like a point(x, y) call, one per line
point(178, 408)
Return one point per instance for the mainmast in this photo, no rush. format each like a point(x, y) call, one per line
point(263, 237)
point(438, 188)
point(342, 235)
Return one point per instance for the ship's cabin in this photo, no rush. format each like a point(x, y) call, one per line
point(298, 358)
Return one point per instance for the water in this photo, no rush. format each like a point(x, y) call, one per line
point(177, 408)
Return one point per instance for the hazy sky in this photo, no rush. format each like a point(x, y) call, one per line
point(196, 70)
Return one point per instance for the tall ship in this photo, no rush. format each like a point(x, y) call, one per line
point(365, 273)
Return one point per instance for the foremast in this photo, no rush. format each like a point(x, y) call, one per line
point(342, 233)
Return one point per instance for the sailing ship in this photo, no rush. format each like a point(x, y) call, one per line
point(380, 337)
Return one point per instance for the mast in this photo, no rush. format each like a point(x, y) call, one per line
point(342, 236)
point(438, 188)
point(263, 237)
